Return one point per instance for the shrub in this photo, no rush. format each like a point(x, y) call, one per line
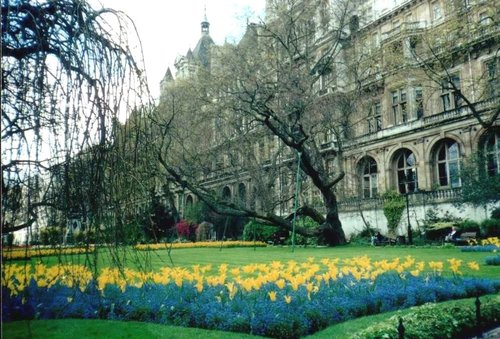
point(305, 222)
point(452, 320)
point(52, 235)
point(493, 260)
point(468, 226)
point(495, 214)
point(185, 229)
point(490, 228)
point(197, 212)
point(259, 232)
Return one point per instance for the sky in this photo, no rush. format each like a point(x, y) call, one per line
point(168, 28)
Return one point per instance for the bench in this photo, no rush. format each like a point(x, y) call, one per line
point(465, 238)
point(384, 241)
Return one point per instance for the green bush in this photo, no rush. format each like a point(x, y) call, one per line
point(495, 214)
point(364, 236)
point(450, 320)
point(490, 228)
point(197, 212)
point(493, 260)
point(394, 206)
point(52, 235)
point(468, 226)
point(260, 232)
point(305, 222)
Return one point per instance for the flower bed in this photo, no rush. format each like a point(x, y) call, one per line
point(200, 244)
point(27, 253)
point(479, 248)
point(491, 244)
point(276, 300)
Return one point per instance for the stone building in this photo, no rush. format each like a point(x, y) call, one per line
point(413, 127)
point(418, 130)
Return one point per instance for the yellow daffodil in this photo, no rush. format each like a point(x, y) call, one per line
point(473, 265)
point(288, 299)
point(272, 295)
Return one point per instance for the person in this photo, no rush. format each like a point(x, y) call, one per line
point(377, 239)
point(452, 236)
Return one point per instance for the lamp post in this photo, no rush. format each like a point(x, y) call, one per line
point(410, 232)
point(408, 177)
point(297, 184)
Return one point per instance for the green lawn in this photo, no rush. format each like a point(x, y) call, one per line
point(88, 329)
point(153, 260)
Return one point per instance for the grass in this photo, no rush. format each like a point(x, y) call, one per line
point(82, 328)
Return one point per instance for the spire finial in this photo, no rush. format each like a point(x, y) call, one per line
point(205, 24)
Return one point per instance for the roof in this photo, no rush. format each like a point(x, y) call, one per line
point(202, 50)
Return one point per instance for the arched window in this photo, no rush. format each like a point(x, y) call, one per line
point(492, 153)
point(242, 193)
point(447, 159)
point(189, 200)
point(406, 171)
point(226, 193)
point(368, 175)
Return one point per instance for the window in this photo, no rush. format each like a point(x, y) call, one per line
point(375, 118)
point(242, 194)
point(226, 193)
point(449, 96)
point(492, 153)
point(399, 106)
point(419, 102)
point(219, 161)
point(375, 41)
point(484, 19)
point(492, 78)
point(448, 164)
point(368, 171)
point(366, 14)
point(436, 11)
point(325, 81)
point(406, 172)
point(330, 166)
point(262, 151)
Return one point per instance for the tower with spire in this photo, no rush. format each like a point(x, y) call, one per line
point(186, 65)
point(205, 25)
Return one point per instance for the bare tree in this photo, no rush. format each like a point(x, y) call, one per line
point(261, 111)
point(69, 74)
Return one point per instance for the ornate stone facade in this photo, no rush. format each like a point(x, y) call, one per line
point(411, 132)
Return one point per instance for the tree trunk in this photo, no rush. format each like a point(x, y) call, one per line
point(332, 233)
